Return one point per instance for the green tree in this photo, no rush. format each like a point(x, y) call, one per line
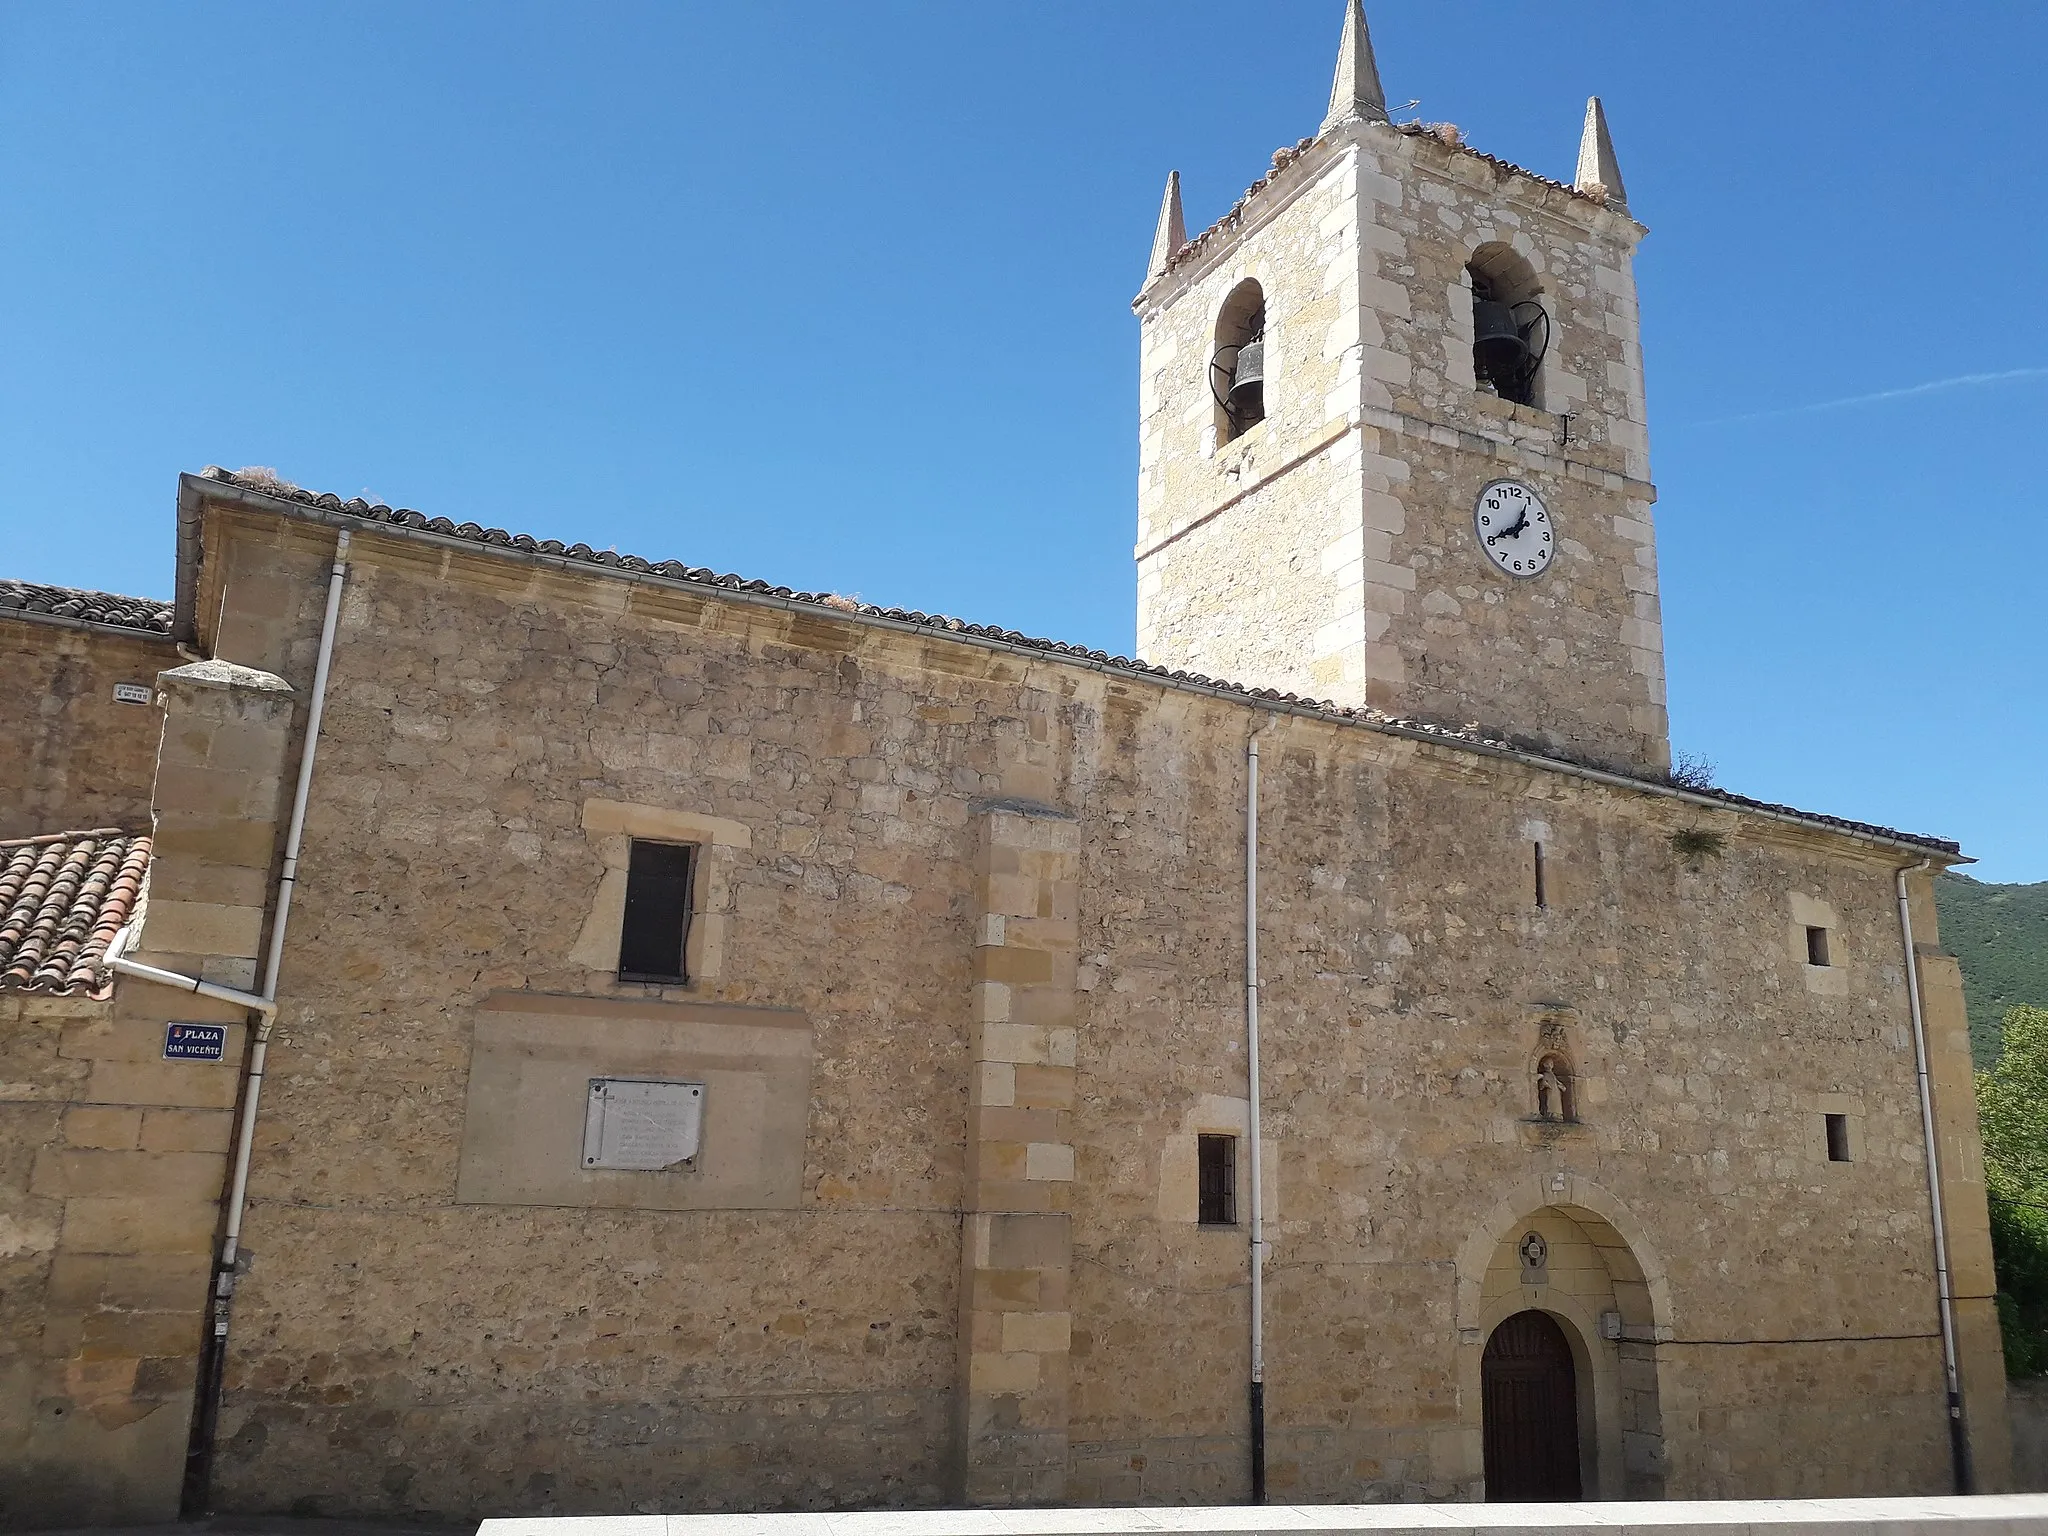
point(2012, 1109)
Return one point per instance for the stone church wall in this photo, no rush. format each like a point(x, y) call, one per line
point(76, 758)
point(400, 1347)
point(110, 1177)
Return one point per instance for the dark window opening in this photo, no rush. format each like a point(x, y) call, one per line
point(1541, 898)
point(1216, 1175)
point(1838, 1138)
point(1817, 946)
point(657, 922)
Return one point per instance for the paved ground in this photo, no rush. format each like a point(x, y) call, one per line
point(279, 1525)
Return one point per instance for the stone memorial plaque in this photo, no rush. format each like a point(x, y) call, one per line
point(643, 1124)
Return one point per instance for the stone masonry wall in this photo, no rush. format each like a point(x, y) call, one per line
point(398, 1352)
point(1272, 485)
point(110, 1174)
point(1329, 551)
point(1016, 1328)
point(115, 1159)
point(75, 757)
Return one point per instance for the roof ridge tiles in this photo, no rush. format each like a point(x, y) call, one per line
point(1470, 736)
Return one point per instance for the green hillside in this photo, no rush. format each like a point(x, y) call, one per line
point(1999, 934)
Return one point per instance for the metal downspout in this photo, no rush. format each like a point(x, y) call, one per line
point(1958, 1437)
point(1258, 1202)
point(213, 1358)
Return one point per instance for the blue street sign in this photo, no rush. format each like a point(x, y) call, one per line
point(195, 1042)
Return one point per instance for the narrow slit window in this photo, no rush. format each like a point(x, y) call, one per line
point(657, 925)
point(1838, 1138)
point(1542, 899)
point(1817, 946)
point(1216, 1173)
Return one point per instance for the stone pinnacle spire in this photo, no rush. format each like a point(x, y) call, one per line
point(1172, 233)
point(1356, 91)
point(1597, 165)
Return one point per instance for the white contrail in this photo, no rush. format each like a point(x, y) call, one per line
point(1958, 382)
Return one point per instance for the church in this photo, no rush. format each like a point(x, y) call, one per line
point(496, 1027)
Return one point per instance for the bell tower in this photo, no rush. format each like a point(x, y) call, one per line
point(1392, 442)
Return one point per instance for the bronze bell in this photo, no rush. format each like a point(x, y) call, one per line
point(1498, 350)
point(1247, 398)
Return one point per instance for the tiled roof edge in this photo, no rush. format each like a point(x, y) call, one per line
point(82, 606)
point(63, 898)
point(64, 837)
point(329, 507)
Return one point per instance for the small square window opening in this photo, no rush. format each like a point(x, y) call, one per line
point(1817, 946)
point(657, 925)
point(1216, 1180)
point(1838, 1138)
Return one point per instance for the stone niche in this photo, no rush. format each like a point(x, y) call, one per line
point(530, 1079)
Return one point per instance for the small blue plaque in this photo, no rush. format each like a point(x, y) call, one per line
point(195, 1042)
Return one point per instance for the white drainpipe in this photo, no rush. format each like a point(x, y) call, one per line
point(264, 1006)
point(1258, 1192)
point(1958, 1439)
point(118, 961)
point(252, 1088)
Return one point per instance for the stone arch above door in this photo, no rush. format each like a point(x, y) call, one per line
point(1598, 1275)
point(1623, 1243)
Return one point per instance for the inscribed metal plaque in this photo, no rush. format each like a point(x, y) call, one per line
point(642, 1123)
point(195, 1042)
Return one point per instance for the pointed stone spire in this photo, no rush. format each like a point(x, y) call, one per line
point(1172, 233)
point(1597, 165)
point(1356, 91)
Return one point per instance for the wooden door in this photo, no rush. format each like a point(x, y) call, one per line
point(1530, 1398)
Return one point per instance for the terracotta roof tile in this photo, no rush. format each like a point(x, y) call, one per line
point(143, 613)
point(674, 570)
point(62, 900)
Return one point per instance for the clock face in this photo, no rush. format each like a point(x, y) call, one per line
point(1514, 528)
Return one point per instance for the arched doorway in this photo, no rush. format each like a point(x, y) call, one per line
point(1562, 1246)
point(1529, 1395)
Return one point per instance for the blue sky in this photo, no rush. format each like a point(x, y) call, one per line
point(838, 296)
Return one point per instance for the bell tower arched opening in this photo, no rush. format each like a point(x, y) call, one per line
point(1237, 362)
point(1510, 325)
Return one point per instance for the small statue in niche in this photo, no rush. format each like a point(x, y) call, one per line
point(1554, 1089)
